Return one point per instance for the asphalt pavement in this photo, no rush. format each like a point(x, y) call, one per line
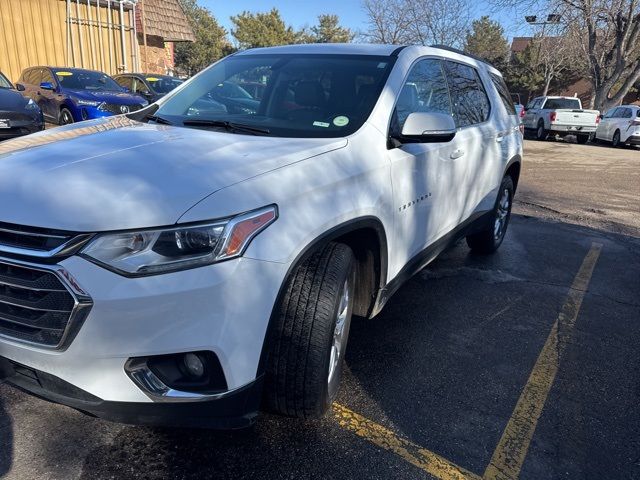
point(523, 364)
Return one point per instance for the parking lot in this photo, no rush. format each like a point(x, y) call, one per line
point(519, 365)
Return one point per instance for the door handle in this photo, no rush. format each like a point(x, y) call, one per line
point(457, 154)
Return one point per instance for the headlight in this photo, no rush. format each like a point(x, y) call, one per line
point(149, 252)
point(87, 103)
point(31, 105)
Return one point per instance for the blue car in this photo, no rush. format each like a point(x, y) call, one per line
point(68, 95)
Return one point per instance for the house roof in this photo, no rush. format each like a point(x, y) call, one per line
point(166, 19)
point(518, 44)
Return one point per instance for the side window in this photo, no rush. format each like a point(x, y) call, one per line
point(424, 91)
point(31, 77)
point(139, 86)
point(124, 82)
point(627, 113)
point(46, 76)
point(617, 113)
point(470, 102)
point(503, 91)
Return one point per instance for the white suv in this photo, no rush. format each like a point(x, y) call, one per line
point(620, 126)
point(194, 261)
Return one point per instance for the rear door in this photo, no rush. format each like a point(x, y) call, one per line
point(478, 157)
point(603, 132)
point(423, 174)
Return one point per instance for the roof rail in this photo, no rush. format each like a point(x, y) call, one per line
point(456, 50)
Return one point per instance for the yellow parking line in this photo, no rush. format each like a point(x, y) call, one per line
point(422, 458)
point(509, 456)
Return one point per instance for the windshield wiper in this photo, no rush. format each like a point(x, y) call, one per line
point(228, 126)
point(157, 119)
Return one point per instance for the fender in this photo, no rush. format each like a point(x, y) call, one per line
point(516, 159)
point(368, 222)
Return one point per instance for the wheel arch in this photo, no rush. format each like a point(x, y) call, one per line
point(367, 239)
point(512, 169)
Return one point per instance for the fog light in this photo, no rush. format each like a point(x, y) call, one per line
point(193, 364)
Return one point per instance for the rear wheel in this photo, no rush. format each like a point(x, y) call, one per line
point(65, 117)
point(307, 347)
point(615, 142)
point(489, 239)
point(582, 139)
point(541, 133)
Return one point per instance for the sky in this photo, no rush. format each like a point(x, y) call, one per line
point(299, 13)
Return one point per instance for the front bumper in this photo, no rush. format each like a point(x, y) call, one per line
point(222, 308)
point(21, 128)
point(236, 409)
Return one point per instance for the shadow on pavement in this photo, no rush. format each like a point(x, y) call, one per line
point(6, 441)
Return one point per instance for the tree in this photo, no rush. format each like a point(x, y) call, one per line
point(329, 30)
point(545, 62)
point(211, 40)
point(440, 22)
point(608, 32)
point(486, 40)
point(388, 22)
point(266, 29)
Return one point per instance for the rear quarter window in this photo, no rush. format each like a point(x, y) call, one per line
point(503, 92)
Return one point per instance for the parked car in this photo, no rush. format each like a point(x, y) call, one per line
point(620, 126)
point(150, 86)
point(18, 115)
point(235, 98)
point(67, 95)
point(175, 268)
point(561, 116)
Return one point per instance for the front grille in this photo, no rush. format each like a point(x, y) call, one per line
point(16, 116)
point(32, 238)
point(35, 306)
point(116, 108)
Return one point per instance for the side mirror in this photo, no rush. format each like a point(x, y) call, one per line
point(20, 87)
point(429, 127)
point(47, 86)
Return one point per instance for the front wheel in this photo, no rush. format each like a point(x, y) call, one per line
point(309, 338)
point(489, 239)
point(65, 117)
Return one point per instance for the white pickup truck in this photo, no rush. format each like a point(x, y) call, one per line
point(562, 116)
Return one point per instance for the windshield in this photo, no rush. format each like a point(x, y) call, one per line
point(562, 103)
point(4, 83)
point(302, 95)
point(86, 80)
point(163, 84)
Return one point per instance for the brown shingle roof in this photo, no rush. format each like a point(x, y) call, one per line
point(166, 19)
point(518, 44)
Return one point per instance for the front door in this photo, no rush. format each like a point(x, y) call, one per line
point(424, 175)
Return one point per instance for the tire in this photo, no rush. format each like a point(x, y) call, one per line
point(582, 139)
point(615, 141)
point(304, 362)
point(65, 117)
point(488, 240)
point(541, 133)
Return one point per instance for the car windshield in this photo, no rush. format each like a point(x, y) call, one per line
point(86, 80)
point(4, 82)
point(163, 84)
point(303, 95)
point(562, 103)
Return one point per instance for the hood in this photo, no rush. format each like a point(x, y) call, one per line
point(119, 98)
point(115, 173)
point(12, 100)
